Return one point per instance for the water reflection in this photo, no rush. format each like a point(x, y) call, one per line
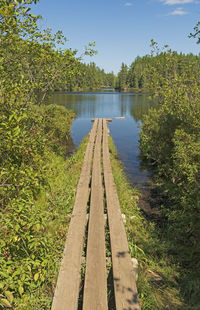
point(141, 107)
point(125, 133)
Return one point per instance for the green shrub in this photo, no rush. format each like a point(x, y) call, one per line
point(170, 140)
point(57, 124)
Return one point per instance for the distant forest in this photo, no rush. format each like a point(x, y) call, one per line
point(137, 76)
point(90, 76)
point(139, 73)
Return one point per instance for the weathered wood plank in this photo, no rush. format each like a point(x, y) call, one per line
point(67, 289)
point(126, 296)
point(120, 117)
point(95, 288)
point(107, 119)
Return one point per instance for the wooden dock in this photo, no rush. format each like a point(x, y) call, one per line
point(97, 192)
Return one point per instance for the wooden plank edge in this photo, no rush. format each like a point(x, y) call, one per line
point(95, 288)
point(62, 291)
point(121, 260)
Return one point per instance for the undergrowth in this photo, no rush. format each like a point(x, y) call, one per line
point(36, 231)
point(157, 281)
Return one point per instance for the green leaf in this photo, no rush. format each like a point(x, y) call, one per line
point(9, 295)
point(42, 277)
point(36, 276)
point(6, 303)
point(21, 290)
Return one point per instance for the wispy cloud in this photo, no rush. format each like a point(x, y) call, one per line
point(173, 2)
point(178, 11)
point(128, 4)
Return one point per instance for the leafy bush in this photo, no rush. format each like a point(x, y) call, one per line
point(22, 147)
point(57, 123)
point(33, 138)
point(158, 272)
point(27, 260)
point(170, 140)
point(33, 232)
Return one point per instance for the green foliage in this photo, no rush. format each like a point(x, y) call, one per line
point(33, 234)
point(157, 285)
point(170, 140)
point(122, 81)
point(91, 77)
point(32, 63)
point(133, 76)
point(56, 126)
point(22, 148)
point(32, 148)
point(151, 71)
point(196, 33)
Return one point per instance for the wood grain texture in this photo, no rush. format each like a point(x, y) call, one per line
point(126, 296)
point(95, 288)
point(67, 288)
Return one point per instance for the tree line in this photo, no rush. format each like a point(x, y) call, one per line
point(90, 76)
point(139, 74)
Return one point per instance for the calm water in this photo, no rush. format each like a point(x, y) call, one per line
point(125, 133)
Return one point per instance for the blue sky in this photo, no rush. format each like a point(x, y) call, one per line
point(121, 29)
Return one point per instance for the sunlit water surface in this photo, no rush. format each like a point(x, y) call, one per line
point(125, 133)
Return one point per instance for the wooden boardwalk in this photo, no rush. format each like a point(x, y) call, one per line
point(97, 192)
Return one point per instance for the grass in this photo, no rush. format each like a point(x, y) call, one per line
point(55, 204)
point(157, 280)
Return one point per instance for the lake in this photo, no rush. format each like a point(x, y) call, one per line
point(125, 133)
